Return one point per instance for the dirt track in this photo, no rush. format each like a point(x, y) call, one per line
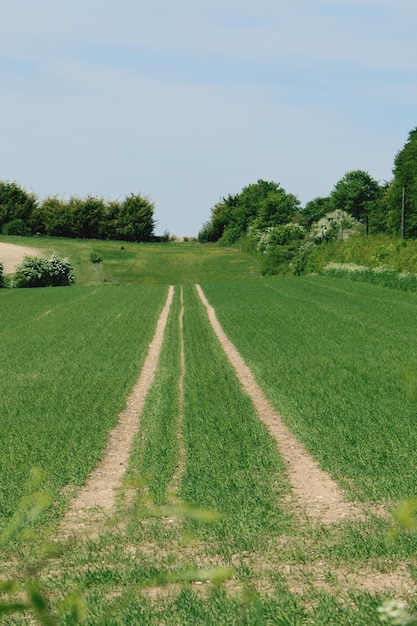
point(12, 255)
point(315, 493)
point(97, 498)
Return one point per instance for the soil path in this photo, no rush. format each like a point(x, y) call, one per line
point(12, 255)
point(97, 498)
point(317, 494)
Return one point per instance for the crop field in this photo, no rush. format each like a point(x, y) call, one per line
point(209, 525)
point(339, 363)
point(68, 360)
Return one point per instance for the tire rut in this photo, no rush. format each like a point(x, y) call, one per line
point(96, 500)
point(316, 493)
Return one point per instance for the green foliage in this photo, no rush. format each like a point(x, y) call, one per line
point(24, 593)
point(135, 220)
point(277, 246)
point(56, 218)
point(335, 225)
point(15, 204)
point(377, 275)
point(278, 207)
point(274, 236)
point(95, 258)
point(42, 272)
point(263, 204)
point(405, 165)
point(354, 193)
point(221, 217)
point(91, 217)
point(315, 209)
point(16, 227)
point(373, 251)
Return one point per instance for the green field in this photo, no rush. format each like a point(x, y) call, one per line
point(146, 263)
point(336, 358)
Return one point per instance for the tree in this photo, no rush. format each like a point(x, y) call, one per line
point(405, 178)
point(278, 207)
point(263, 204)
point(136, 221)
point(221, 217)
point(57, 218)
point(315, 209)
point(15, 203)
point(87, 216)
point(354, 194)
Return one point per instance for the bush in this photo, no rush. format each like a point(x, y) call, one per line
point(1, 275)
point(41, 272)
point(16, 227)
point(95, 258)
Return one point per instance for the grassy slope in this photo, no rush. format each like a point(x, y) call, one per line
point(373, 250)
point(131, 263)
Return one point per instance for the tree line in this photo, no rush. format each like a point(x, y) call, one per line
point(390, 207)
point(22, 213)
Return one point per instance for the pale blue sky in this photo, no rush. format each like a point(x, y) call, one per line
point(187, 102)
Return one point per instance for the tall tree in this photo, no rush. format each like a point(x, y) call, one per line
point(262, 204)
point(136, 221)
point(278, 207)
point(403, 189)
point(15, 203)
point(57, 217)
point(87, 216)
point(355, 193)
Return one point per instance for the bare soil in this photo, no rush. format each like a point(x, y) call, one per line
point(12, 255)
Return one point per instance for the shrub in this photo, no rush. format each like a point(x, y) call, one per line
point(41, 272)
point(95, 258)
point(335, 225)
point(1, 275)
point(16, 227)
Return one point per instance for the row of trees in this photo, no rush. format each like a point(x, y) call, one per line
point(388, 207)
point(21, 213)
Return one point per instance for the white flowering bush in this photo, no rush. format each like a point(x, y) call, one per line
point(335, 225)
point(269, 238)
point(42, 272)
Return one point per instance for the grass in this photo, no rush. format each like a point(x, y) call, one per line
point(394, 253)
point(339, 362)
point(337, 359)
point(245, 482)
point(146, 263)
point(69, 357)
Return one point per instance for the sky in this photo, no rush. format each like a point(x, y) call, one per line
point(187, 102)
